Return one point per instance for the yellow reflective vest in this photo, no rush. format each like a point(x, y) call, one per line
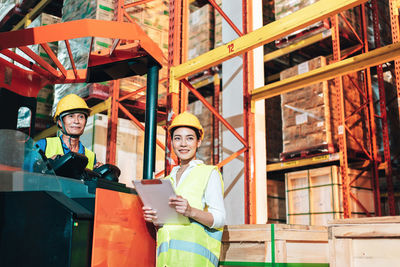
point(54, 147)
point(194, 244)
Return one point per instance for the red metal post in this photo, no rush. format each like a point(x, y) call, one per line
point(341, 121)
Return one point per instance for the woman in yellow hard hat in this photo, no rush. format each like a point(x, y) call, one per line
point(199, 190)
point(71, 117)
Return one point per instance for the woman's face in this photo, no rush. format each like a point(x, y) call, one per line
point(185, 144)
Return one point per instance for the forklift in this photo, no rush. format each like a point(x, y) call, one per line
point(56, 212)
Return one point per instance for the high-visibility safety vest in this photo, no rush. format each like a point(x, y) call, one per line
point(194, 244)
point(54, 147)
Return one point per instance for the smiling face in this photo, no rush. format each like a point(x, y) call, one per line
point(74, 123)
point(185, 144)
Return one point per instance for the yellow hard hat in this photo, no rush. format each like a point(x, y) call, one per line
point(69, 103)
point(187, 119)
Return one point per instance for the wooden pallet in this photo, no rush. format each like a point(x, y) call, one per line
point(365, 242)
point(252, 245)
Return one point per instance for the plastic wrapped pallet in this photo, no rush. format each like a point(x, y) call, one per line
point(314, 196)
point(284, 8)
point(6, 6)
point(309, 114)
point(130, 146)
point(366, 242)
point(201, 31)
point(76, 10)
point(274, 245)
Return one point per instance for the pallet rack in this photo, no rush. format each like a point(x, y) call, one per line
point(180, 70)
point(343, 65)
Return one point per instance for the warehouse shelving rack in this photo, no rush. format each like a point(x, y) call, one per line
point(343, 65)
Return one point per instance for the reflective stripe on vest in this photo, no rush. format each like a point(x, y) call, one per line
point(194, 244)
point(54, 147)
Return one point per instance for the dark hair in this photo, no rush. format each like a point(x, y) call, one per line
point(194, 129)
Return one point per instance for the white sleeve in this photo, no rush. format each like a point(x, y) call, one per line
point(214, 199)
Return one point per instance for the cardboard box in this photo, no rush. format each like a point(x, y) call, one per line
point(310, 116)
point(201, 31)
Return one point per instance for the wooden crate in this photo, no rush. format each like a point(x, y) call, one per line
point(251, 245)
point(366, 242)
point(314, 196)
point(309, 115)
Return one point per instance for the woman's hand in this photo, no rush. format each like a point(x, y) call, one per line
point(149, 214)
point(181, 205)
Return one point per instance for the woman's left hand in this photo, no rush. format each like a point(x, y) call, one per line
point(181, 205)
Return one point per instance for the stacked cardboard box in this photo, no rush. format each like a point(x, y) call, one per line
point(130, 146)
point(205, 116)
point(315, 196)
point(309, 114)
point(201, 31)
point(218, 26)
point(76, 10)
point(276, 201)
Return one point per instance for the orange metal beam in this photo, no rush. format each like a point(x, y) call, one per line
point(41, 61)
point(79, 29)
point(54, 58)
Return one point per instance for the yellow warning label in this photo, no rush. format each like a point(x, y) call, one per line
point(324, 157)
point(290, 163)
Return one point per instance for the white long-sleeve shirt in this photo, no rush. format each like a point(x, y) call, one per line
point(212, 197)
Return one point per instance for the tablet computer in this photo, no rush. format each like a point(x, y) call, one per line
point(155, 193)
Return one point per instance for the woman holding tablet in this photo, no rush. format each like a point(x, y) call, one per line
point(199, 190)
